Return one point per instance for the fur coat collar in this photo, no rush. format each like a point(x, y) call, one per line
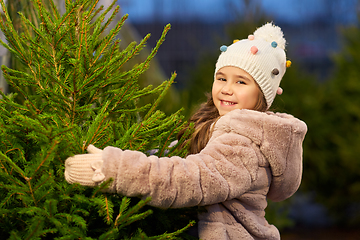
point(279, 137)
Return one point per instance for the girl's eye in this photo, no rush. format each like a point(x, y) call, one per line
point(241, 82)
point(222, 79)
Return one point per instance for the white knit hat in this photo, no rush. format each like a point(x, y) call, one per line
point(262, 55)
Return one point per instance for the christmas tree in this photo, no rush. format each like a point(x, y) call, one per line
point(71, 91)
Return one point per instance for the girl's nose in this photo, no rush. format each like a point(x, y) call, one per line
point(227, 90)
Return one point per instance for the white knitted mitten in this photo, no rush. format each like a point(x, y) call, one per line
point(85, 169)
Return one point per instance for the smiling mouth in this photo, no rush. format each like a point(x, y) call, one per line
point(227, 103)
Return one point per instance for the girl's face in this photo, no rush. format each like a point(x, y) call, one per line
point(233, 88)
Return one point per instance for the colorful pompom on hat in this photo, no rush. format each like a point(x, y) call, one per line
point(262, 55)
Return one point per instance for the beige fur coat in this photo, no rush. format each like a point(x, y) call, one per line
point(251, 156)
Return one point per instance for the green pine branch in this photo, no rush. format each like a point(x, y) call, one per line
point(69, 91)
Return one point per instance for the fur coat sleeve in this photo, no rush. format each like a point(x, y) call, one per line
point(242, 141)
point(200, 179)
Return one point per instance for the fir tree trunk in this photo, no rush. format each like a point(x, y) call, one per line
point(4, 60)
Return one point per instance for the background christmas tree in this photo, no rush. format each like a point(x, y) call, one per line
point(68, 92)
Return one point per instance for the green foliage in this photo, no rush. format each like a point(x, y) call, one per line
point(70, 91)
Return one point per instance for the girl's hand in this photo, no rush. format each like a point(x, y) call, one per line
point(85, 169)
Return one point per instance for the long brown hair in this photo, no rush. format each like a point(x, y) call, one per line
point(204, 118)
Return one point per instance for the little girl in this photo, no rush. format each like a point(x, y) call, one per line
point(240, 153)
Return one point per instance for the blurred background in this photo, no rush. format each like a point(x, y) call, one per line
point(322, 87)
